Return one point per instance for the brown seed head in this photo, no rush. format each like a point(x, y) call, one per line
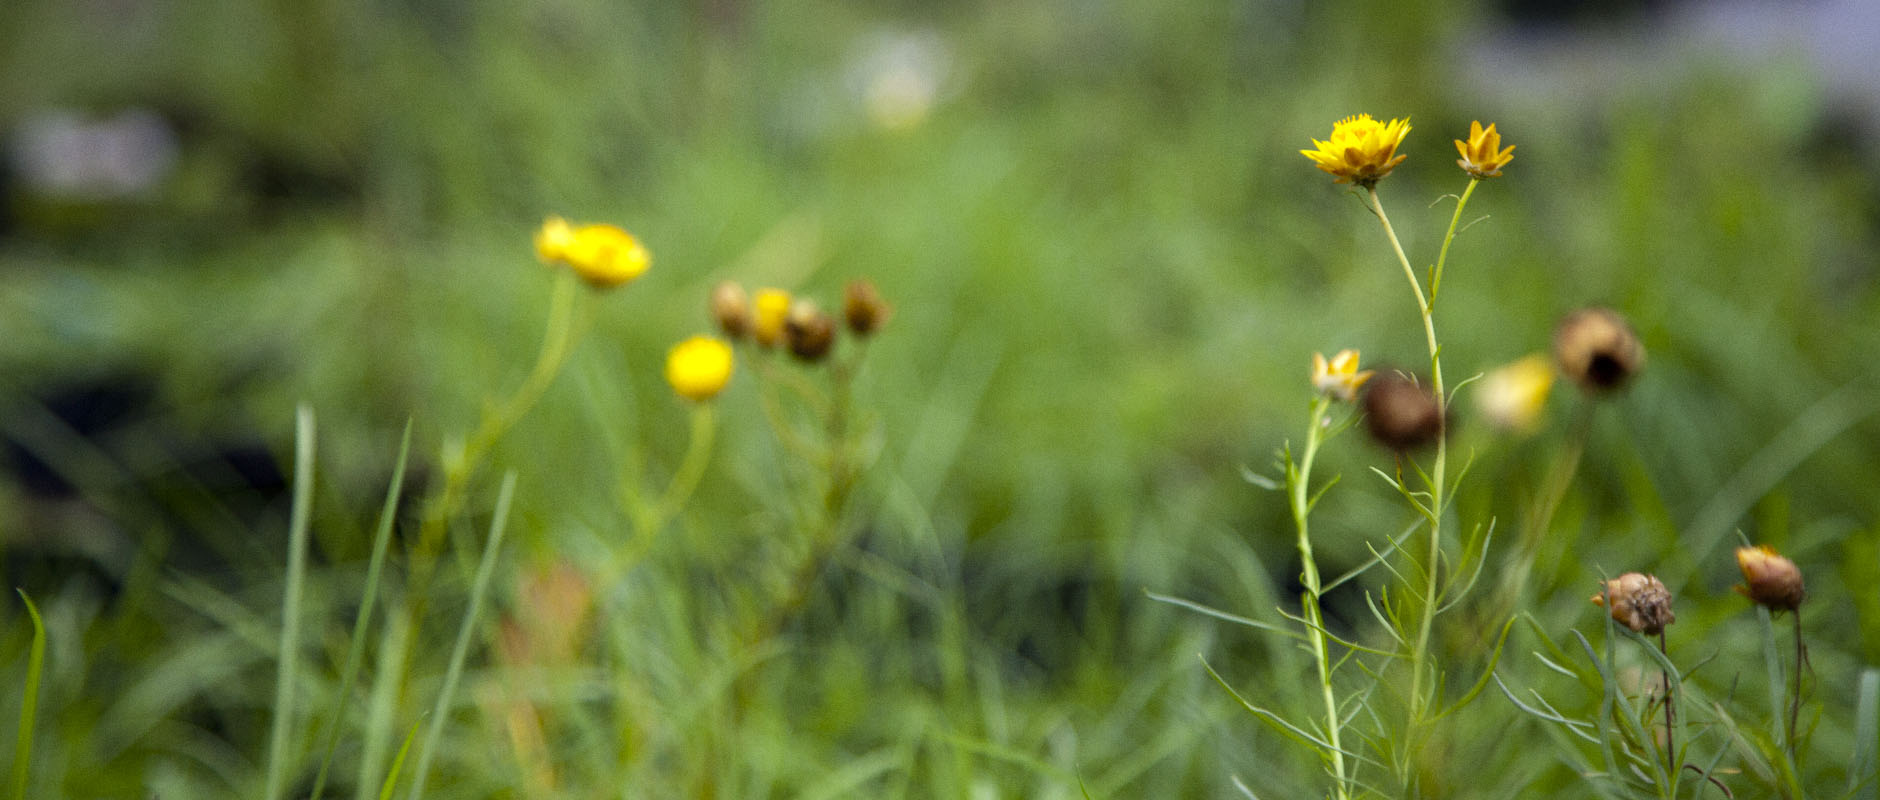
point(809, 331)
point(863, 308)
point(1770, 579)
point(1401, 414)
point(1640, 602)
point(731, 309)
point(1597, 349)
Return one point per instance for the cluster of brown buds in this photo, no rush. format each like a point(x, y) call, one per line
point(772, 317)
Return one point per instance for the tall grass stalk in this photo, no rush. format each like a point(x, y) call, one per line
point(355, 653)
point(465, 631)
point(29, 702)
point(288, 669)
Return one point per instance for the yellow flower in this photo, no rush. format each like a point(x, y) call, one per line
point(1361, 151)
point(1512, 396)
point(699, 367)
point(603, 255)
point(1482, 154)
point(772, 311)
point(1340, 377)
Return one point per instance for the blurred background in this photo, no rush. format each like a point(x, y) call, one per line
point(1110, 267)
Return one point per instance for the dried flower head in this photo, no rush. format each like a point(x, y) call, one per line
point(1512, 396)
point(699, 367)
point(1338, 378)
point(1482, 155)
point(1361, 150)
point(1638, 601)
point(809, 331)
point(863, 308)
point(1597, 349)
point(772, 308)
point(603, 255)
point(1400, 413)
point(731, 309)
point(1770, 579)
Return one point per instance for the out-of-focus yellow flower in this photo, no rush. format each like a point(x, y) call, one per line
point(1361, 150)
point(1512, 396)
point(1339, 377)
point(1483, 155)
point(772, 310)
point(699, 367)
point(603, 255)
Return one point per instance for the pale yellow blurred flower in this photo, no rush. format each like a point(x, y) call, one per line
point(1339, 377)
point(1511, 397)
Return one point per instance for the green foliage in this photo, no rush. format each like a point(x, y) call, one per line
point(1109, 267)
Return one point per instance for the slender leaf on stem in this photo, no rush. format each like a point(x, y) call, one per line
point(288, 667)
point(1375, 559)
point(465, 632)
point(356, 651)
point(1223, 615)
point(29, 701)
point(1494, 659)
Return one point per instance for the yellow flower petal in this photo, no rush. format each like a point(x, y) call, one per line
point(1361, 150)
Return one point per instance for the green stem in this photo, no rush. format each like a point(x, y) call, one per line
point(1301, 509)
point(1419, 654)
point(1442, 256)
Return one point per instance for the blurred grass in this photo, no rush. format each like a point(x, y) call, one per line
point(1109, 267)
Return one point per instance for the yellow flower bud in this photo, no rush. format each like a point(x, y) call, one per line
point(772, 310)
point(1339, 377)
point(1482, 155)
point(1771, 580)
point(1512, 396)
point(699, 367)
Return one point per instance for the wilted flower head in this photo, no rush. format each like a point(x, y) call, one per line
point(731, 309)
point(772, 308)
point(1400, 413)
point(1361, 150)
point(1637, 601)
point(1339, 377)
point(809, 331)
point(1482, 156)
point(1597, 349)
point(699, 367)
point(1512, 396)
point(862, 307)
point(603, 255)
point(1770, 579)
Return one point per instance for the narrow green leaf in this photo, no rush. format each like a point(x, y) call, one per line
point(287, 669)
point(29, 703)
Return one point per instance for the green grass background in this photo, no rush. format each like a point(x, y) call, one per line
point(1110, 267)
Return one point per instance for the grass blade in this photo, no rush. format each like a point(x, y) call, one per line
point(487, 567)
point(29, 704)
point(357, 651)
point(398, 763)
point(1861, 781)
point(287, 670)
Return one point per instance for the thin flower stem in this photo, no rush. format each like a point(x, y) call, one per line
point(698, 453)
point(1419, 654)
point(1301, 509)
point(1671, 746)
point(1442, 256)
point(1795, 701)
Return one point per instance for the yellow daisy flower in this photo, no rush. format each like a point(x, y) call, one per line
point(1512, 396)
point(1482, 155)
point(1339, 377)
point(1361, 150)
point(699, 367)
point(603, 255)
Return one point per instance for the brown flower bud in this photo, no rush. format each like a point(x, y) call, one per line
point(809, 331)
point(1640, 602)
point(1597, 349)
point(863, 308)
point(1771, 580)
point(1401, 414)
point(731, 309)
